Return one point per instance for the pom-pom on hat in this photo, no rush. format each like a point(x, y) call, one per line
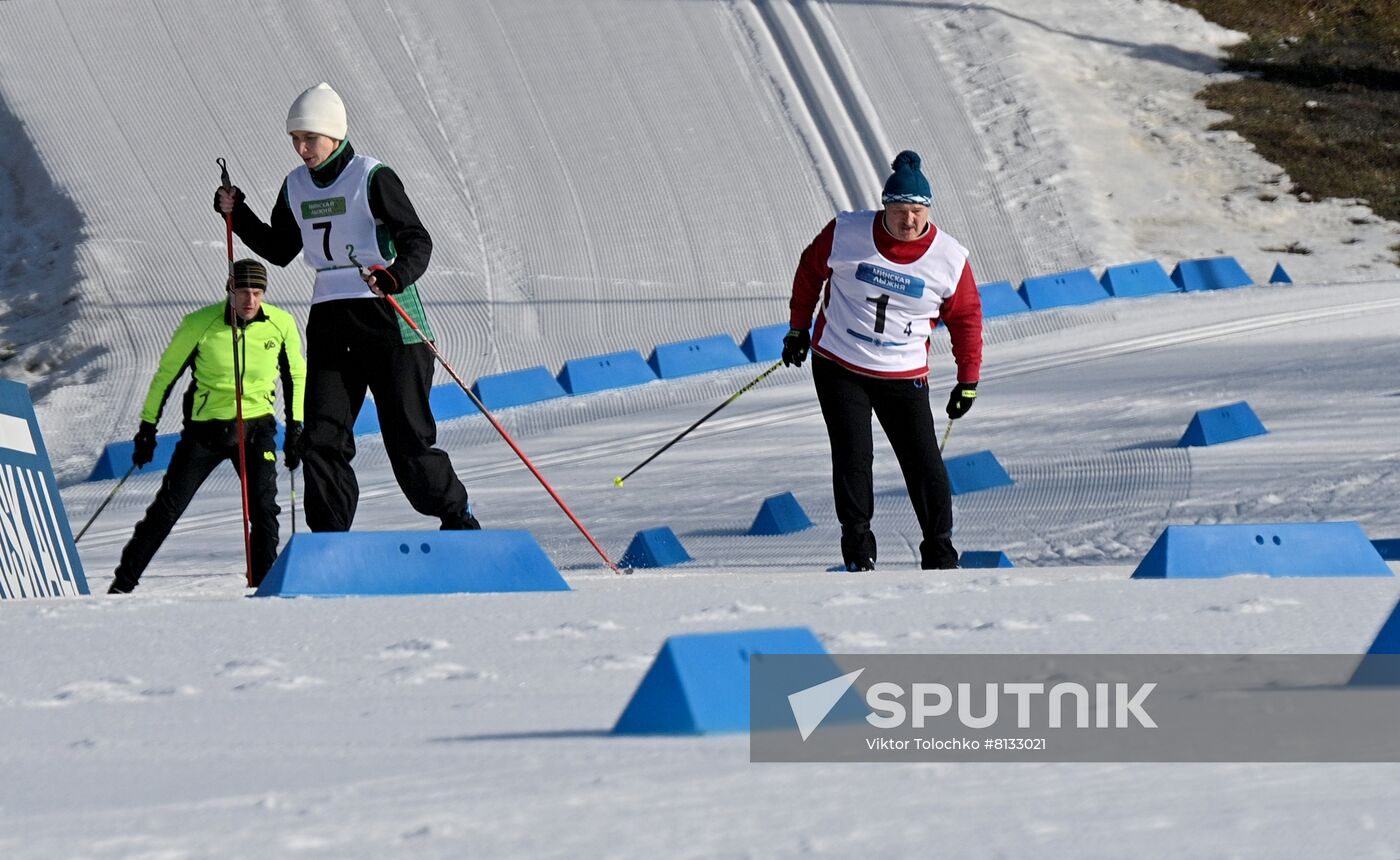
point(249, 275)
point(318, 109)
point(907, 184)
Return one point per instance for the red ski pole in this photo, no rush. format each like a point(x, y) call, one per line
point(237, 385)
point(489, 417)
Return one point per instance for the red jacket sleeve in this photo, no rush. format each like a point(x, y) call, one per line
point(812, 274)
point(962, 314)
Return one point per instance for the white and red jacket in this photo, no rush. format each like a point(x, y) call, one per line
point(883, 297)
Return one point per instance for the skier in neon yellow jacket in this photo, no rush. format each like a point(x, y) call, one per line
point(269, 349)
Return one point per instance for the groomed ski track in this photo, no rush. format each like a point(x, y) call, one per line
point(1083, 495)
point(557, 235)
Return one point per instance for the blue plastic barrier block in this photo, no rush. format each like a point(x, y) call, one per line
point(1145, 278)
point(979, 471)
point(984, 558)
point(517, 388)
point(1273, 549)
point(1389, 548)
point(1221, 424)
point(1077, 287)
point(699, 683)
point(1210, 273)
point(448, 401)
point(1381, 664)
point(765, 343)
point(116, 458)
point(349, 564)
point(1000, 298)
point(780, 515)
point(1387, 639)
point(368, 420)
point(658, 547)
point(36, 542)
point(689, 357)
point(1280, 275)
point(601, 372)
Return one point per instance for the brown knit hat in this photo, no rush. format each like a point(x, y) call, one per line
point(249, 274)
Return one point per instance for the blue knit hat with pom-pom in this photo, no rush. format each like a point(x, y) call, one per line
point(907, 184)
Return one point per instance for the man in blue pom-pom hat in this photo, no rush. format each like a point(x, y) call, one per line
point(890, 276)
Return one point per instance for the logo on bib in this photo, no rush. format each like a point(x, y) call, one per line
point(890, 281)
point(323, 208)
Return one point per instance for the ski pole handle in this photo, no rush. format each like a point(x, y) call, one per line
point(228, 216)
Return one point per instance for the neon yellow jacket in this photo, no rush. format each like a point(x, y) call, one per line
point(269, 349)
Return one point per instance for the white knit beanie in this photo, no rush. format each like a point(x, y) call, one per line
point(318, 109)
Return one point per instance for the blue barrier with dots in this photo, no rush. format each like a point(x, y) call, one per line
point(973, 472)
point(1272, 549)
point(1143, 278)
point(1210, 273)
point(602, 372)
point(1076, 287)
point(688, 357)
point(517, 388)
point(349, 564)
point(1221, 424)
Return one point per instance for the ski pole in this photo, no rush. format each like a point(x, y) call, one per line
point(293, 474)
point(617, 482)
point(946, 434)
point(237, 382)
point(102, 507)
point(350, 249)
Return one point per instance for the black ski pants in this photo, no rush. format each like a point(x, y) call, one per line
point(847, 400)
point(400, 377)
point(202, 447)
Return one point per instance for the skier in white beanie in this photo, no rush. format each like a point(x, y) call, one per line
point(355, 343)
point(318, 109)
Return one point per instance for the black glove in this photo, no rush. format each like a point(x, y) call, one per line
point(384, 280)
point(291, 445)
point(145, 442)
point(961, 398)
point(795, 344)
point(238, 198)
